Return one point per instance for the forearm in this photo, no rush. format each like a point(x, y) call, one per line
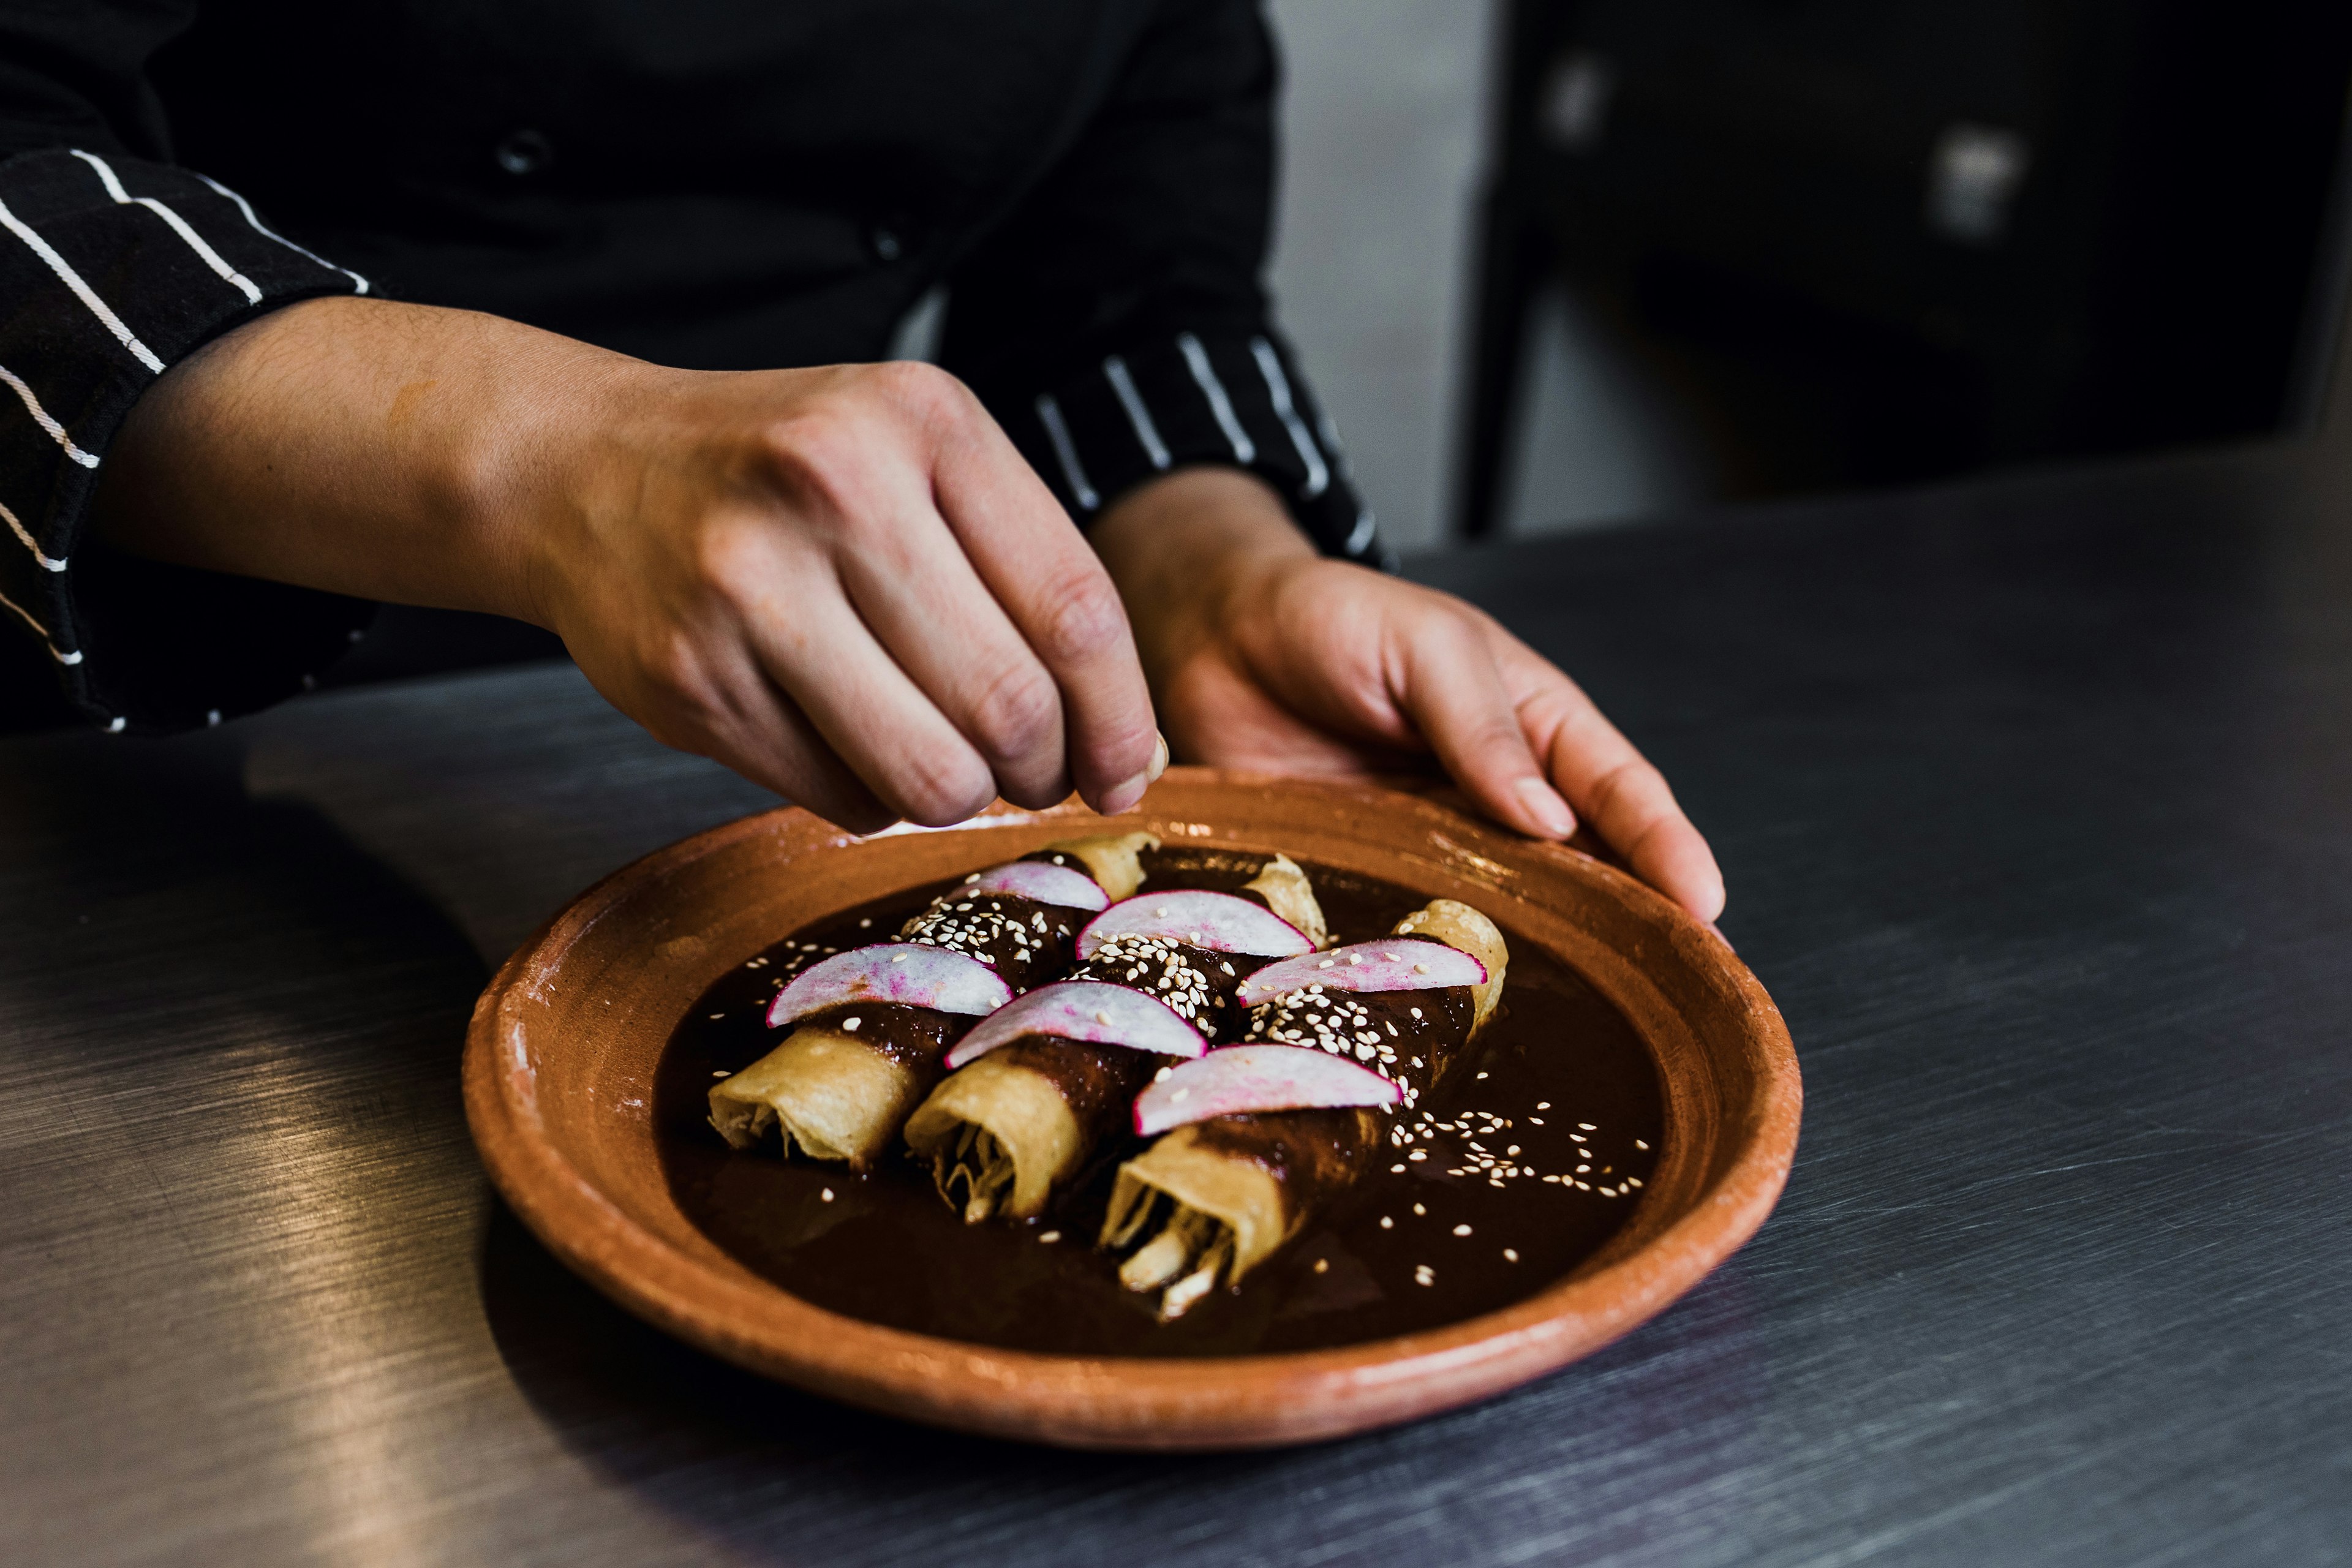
point(359, 445)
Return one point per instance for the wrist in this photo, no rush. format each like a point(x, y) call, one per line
point(1189, 552)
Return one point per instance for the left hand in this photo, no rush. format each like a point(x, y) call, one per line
point(1263, 654)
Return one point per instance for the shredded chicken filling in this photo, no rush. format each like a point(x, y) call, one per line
point(1190, 1254)
point(982, 1166)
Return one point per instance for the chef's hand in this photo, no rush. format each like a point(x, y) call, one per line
point(1263, 655)
point(844, 584)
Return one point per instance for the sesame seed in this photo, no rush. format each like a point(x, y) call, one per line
point(1101, 1017)
point(719, 1014)
point(826, 1194)
point(865, 923)
point(1460, 1230)
point(1393, 1170)
point(1421, 969)
point(1322, 1266)
point(1588, 1126)
point(1422, 1276)
point(1543, 1105)
point(1510, 1255)
point(1632, 1181)
point(897, 958)
point(1051, 1237)
point(1386, 1223)
point(1639, 1144)
point(1419, 1209)
point(720, 1073)
point(1482, 1075)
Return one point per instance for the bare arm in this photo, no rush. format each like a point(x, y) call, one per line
point(844, 583)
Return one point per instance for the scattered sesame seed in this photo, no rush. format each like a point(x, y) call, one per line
point(1543, 1105)
point(720, 1073)
point(719, 1014)
point(865, 923)
point(1587, 1127)
point(1322, 1266)
point(1510, 1255)
point(1639, 1144)
point(1632, 1181)
point(1419, 1209)
point(1051, 1237)
point(826, 1194)
point(1482, 1075)
point(1514, 1149)
point(1460, 1230)
point(1422, 1276)
point(1386, 1223)
point(1393, 1170)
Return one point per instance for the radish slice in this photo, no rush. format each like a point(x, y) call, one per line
point(1043, 881)
point(1257, 1077)
point(903, 971)
point(1399, 963)
point(1086, 1010)
point(1218, 922)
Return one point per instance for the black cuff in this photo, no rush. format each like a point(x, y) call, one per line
point(112, 270)
point(1206, 397)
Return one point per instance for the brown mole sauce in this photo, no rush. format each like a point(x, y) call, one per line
point(886, 1249)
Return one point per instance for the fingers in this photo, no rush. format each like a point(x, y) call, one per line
point(1456, 696)
point(805, 638)
point(1624, 798)
point(912, 586)
point(1056, 595)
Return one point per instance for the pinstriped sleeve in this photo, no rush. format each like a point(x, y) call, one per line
point(1116, 323)
point(111, 269)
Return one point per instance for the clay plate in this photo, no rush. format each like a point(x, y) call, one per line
point(559, 1087)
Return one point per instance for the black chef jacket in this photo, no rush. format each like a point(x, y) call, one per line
point(708, 183)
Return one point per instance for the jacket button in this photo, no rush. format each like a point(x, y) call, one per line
point(525, 152)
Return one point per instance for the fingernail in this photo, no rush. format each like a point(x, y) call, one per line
point(1159, 759)
point(1551, 812)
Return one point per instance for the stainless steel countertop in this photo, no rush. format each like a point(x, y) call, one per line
point(2036, 803)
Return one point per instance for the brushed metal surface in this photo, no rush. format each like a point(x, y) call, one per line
point(2036, 803)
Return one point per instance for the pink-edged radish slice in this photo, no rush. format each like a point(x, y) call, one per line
point(1043, 881)
point(1217, 921)
point(906, 973)
point(1257, 1077)
point(1087, 1010)
point(1399, 963)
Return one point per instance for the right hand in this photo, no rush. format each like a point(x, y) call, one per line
point(844, 583)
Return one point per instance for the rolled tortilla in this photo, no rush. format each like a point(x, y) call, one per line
point(841, 1086)
point(1211, 1200)
point(1009, 1132)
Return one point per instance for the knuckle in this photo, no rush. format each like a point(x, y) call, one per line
point(1082, 619)
point(1017, 711)
point(938, 793)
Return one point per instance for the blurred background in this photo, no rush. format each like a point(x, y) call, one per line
point(1558, 263)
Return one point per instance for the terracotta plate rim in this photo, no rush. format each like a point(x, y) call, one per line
point(1127, 1403)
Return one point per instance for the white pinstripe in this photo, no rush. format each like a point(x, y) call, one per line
point(1049, 413)
point(1129, 398)
point(1278, 386)
point(246, 208)
point(82, 291)
point(195, 241)
point(30, 542)
point(27, 615)
point(1205, 373)
point(41, 417)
